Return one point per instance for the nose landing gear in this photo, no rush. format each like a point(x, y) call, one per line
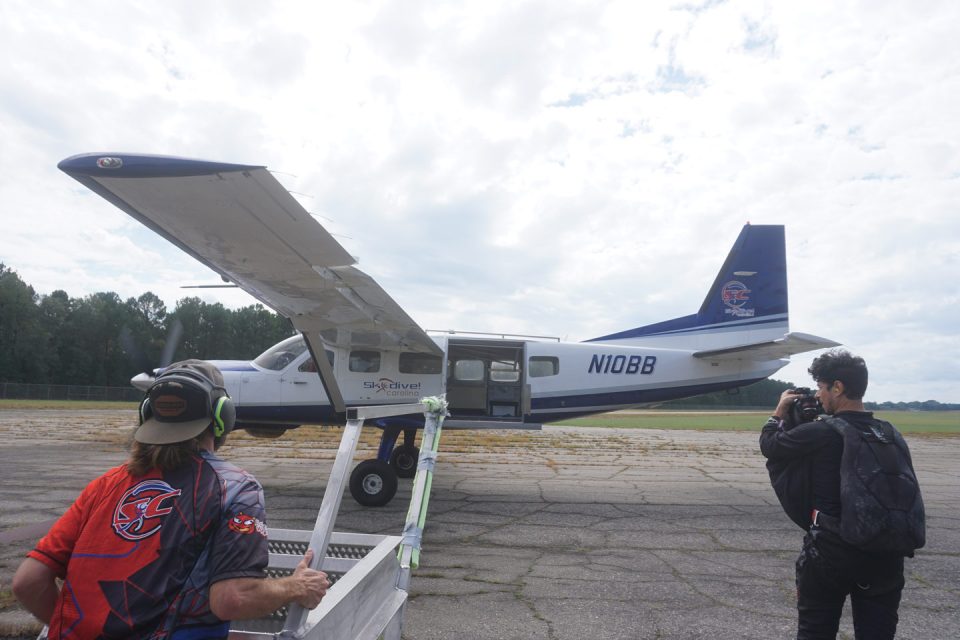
point(373, 483)
point(404, 460)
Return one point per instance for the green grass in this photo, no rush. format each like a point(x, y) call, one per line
point(923, 421)
point(712, 421)
point(913, 422)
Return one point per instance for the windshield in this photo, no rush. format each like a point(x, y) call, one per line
point(280, 355)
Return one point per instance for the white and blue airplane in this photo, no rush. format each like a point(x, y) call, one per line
point(357, 347)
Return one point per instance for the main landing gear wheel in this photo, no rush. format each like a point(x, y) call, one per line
point(404, 460)
point(373, 483)
point(266, 432)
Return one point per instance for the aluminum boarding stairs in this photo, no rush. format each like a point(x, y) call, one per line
point(370, 574)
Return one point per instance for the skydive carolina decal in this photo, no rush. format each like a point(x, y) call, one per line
point(139, 512)
point(622, 364)
point(735, 294)
point(388, 387)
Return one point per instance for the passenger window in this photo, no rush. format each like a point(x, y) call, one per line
point(420, 363)
point(504, 371)
point(468, 370)
point(543, 366)
point(365, 361)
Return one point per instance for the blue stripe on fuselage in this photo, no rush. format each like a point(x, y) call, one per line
point(563, 407)
point(295, 415)
point(290, 414)
point(548, 409)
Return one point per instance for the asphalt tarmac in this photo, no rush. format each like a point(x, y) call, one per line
point(563, 534)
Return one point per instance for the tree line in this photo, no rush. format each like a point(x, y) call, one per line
point(102, 340)
point(765, 393)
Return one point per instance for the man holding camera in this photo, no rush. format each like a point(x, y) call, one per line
point(806, 460)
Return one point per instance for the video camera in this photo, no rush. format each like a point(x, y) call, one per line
point(805, 408)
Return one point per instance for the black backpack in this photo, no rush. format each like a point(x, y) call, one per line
point(881, 509)
point(790, 480)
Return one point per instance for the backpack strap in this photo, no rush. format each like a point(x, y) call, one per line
point(839, 424)
point(817, 518)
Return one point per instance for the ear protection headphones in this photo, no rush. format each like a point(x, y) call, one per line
point(220, 407)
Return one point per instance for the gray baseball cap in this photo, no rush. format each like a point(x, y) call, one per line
point(179, 405)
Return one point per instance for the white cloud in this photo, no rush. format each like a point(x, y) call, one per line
point(571, 168)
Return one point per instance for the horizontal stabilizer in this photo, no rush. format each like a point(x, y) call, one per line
point(770, 349)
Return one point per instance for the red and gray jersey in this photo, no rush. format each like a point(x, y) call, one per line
point(138, 554)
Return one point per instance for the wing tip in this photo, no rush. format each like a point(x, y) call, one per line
point(132, 165)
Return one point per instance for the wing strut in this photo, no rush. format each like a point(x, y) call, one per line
point(326, 373)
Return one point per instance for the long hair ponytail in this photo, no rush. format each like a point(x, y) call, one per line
point(146, 457)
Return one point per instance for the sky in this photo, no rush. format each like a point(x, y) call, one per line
point(569, 169)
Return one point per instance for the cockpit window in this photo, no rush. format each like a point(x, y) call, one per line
point(310, 366)
point(277, 357)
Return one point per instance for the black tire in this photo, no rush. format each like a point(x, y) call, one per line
point(373, 483)
point(269, 433)
point(404, 460)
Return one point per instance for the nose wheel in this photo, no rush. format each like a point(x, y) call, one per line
point(373, 483)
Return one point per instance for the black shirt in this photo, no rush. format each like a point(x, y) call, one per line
point(821, 447)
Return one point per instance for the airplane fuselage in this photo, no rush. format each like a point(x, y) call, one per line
point(495, 380)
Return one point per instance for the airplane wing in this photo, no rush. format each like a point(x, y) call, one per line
point(242, 223)
point(783, 347)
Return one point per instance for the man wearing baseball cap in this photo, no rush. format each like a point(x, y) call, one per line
point(171, 544)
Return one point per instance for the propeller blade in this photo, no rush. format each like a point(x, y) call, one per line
point(138, 358)
point(173, 341)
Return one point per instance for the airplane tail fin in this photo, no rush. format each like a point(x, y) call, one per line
point(746, 305)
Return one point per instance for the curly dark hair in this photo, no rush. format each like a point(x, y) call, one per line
point(840, 364)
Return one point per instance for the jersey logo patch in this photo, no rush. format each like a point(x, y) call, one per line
point(139, 513)
point(242, 523)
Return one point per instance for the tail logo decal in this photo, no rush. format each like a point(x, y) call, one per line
point(735, 295)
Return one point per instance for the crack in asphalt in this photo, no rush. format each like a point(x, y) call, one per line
point(591, 532)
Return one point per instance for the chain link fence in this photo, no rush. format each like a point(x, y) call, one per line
point(21, 391)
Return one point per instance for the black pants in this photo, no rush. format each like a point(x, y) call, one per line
point(828, 571)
